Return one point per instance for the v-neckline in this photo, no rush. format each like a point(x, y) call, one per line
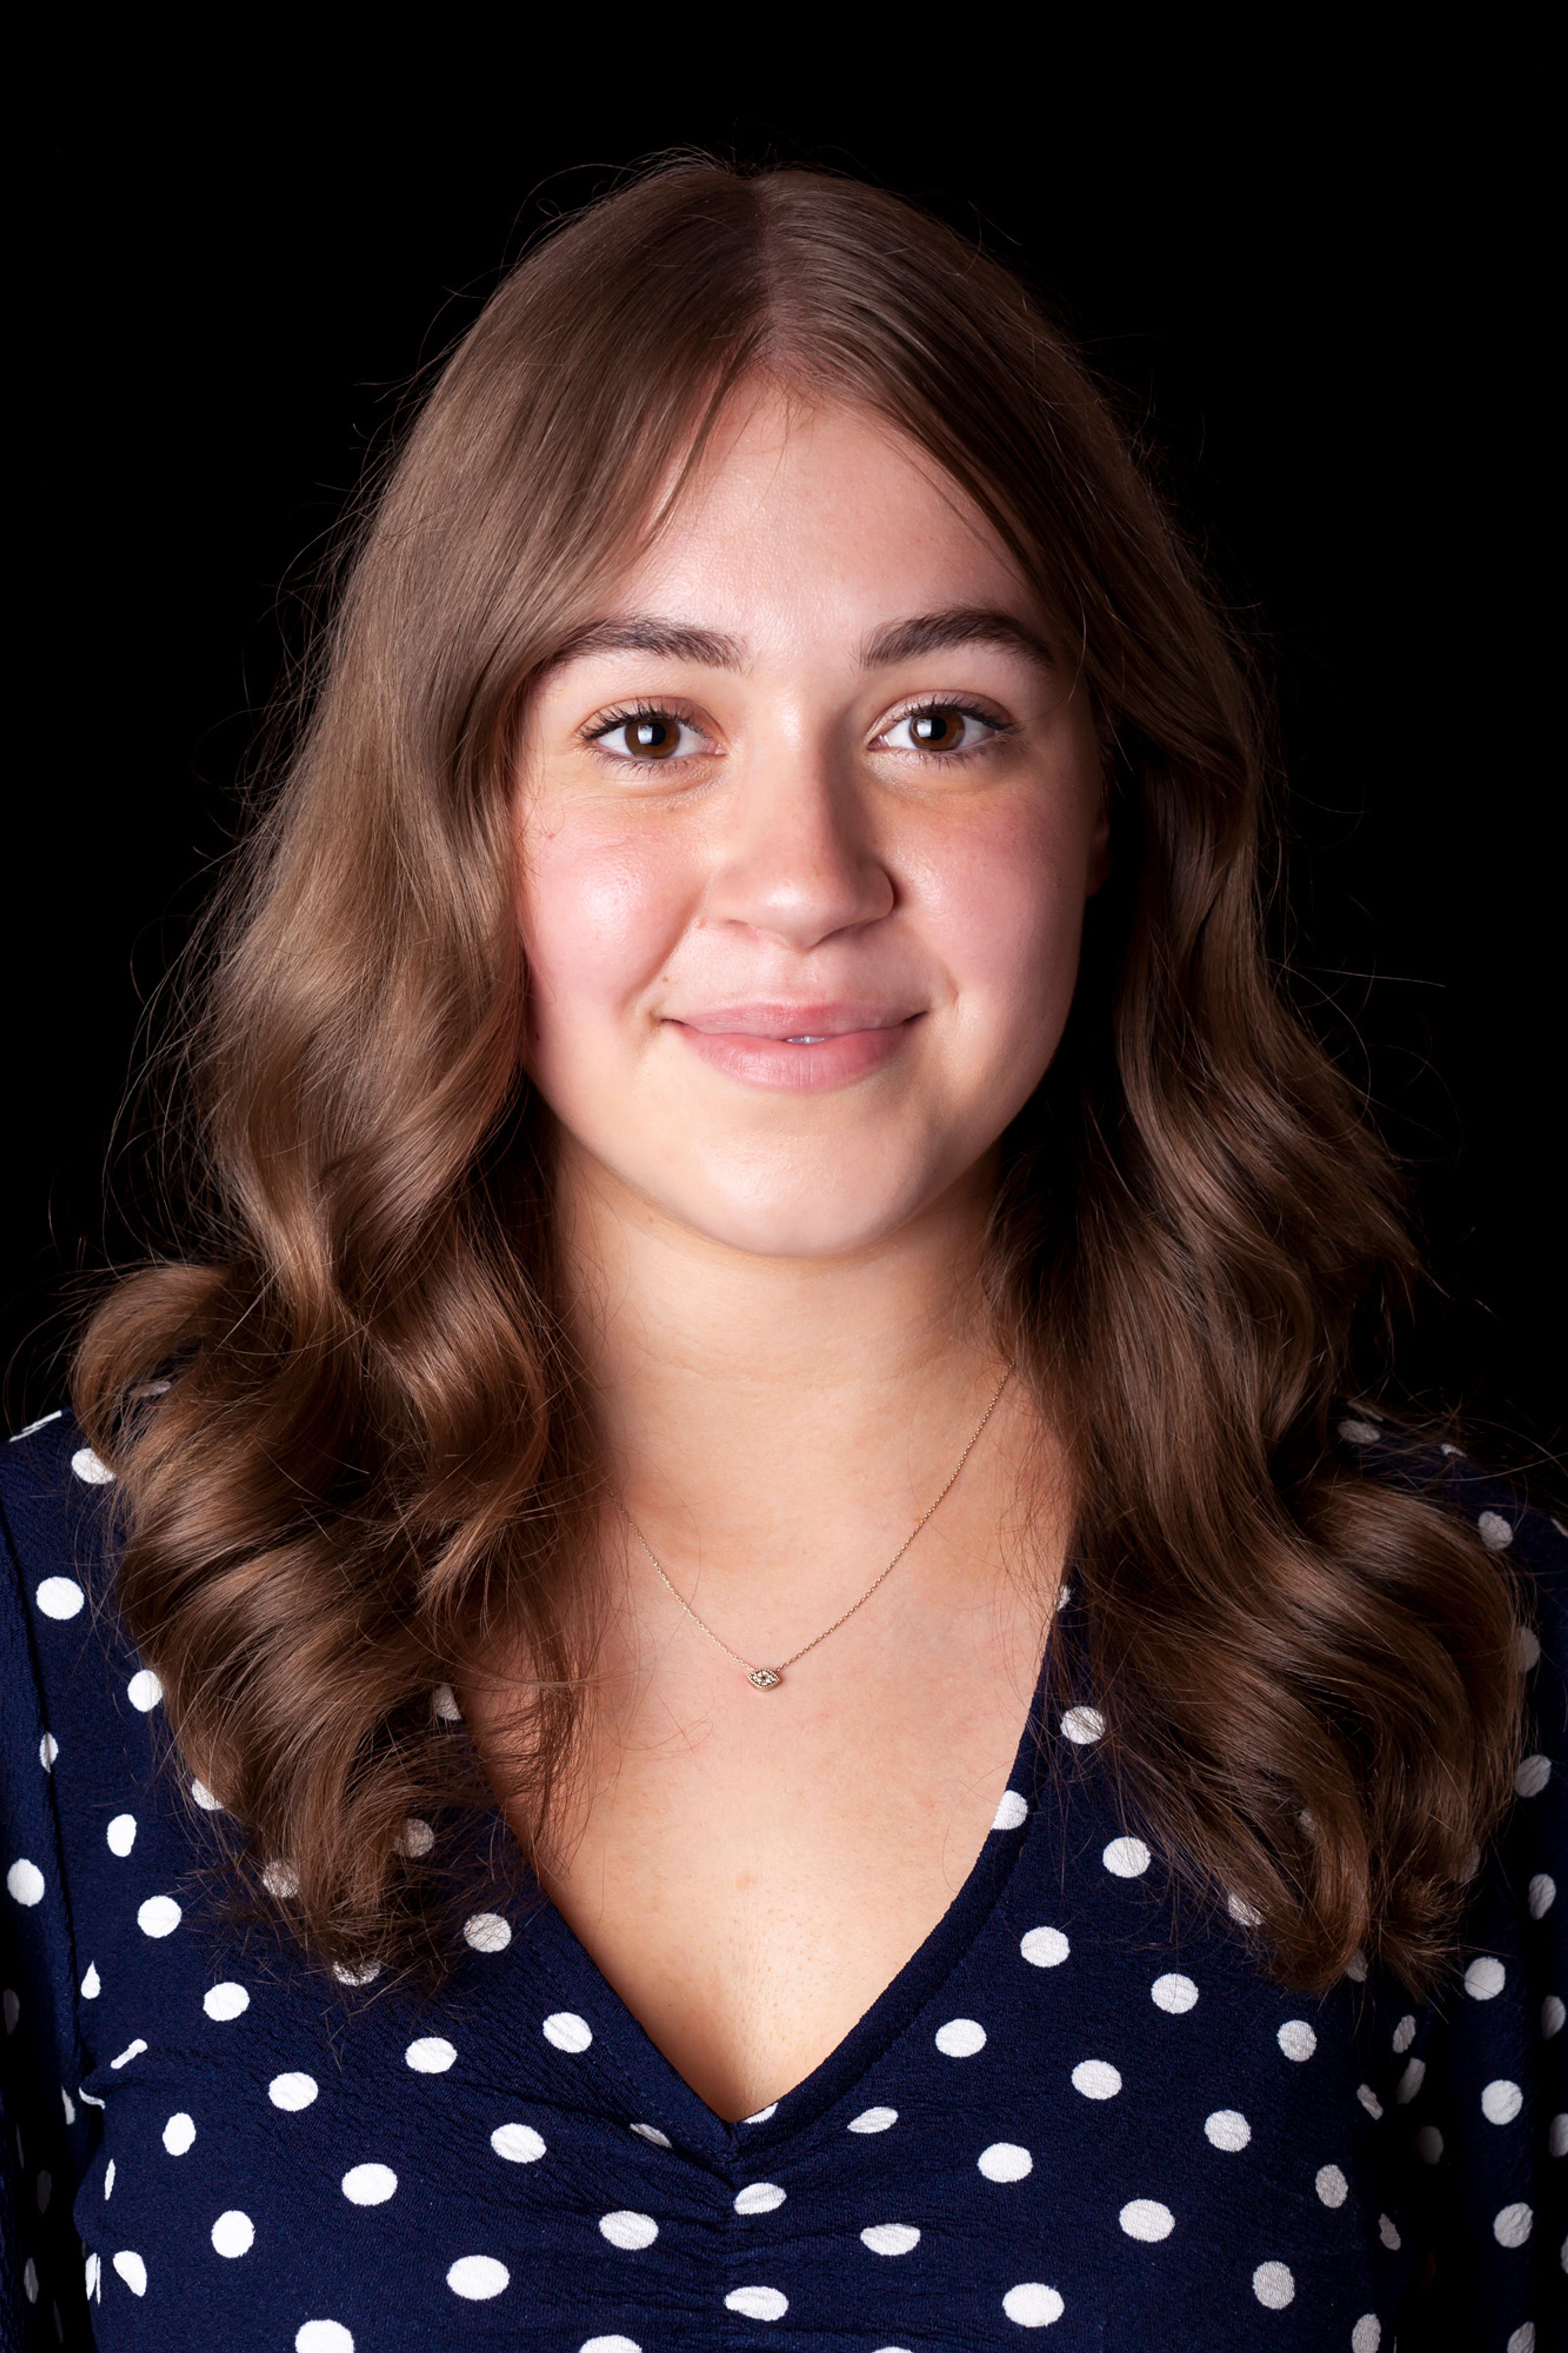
point(657, 2096)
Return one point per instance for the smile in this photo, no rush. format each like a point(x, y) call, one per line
point(793, 1048)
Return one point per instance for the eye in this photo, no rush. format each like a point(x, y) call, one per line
point(940, 727)
point(647, 735)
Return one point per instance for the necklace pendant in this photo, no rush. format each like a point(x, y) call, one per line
point(764, 1678)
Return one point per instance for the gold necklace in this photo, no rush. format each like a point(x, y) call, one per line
point(770, 1678)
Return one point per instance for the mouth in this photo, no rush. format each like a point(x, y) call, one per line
point(798, 1047)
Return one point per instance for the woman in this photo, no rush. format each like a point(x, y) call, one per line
point(723, 1668)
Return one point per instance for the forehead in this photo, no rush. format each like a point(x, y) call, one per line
point(810, 519)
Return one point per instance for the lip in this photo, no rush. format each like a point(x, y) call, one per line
point(796, 1047)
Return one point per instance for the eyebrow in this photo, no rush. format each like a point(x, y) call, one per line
point(907, 640)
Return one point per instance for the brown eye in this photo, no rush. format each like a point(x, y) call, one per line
point(937, 731)
point(652, 737)
point(940, 727)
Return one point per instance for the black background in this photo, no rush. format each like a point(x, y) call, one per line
point(1310, 279)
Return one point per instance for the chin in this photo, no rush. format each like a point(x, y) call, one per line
point(816, 1216)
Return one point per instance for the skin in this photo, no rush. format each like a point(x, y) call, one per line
point(771, 1249)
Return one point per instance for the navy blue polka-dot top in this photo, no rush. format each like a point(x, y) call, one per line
point(1082, 2117)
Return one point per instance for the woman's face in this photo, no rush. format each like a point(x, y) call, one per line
point(807, 824)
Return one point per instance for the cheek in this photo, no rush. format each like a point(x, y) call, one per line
point(598, 915)
point(1004, 908)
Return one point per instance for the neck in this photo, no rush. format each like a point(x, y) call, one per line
point(772, 1418)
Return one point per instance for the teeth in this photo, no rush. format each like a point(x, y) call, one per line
point(807, 1041)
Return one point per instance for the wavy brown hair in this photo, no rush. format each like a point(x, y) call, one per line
point(374, 1453)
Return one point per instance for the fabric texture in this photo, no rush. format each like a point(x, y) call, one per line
point(1082, 2116)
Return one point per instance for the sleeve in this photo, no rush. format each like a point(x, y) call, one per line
point(1489, 2117)
point(47, 2127)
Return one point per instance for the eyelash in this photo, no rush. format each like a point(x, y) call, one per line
point(624, 713)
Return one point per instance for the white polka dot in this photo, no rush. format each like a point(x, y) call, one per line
point(1012, 1813)
point(91, 1468)
point(1005, 2161)
point(1174, 1993)
point(92, 1984)
point(292, 2090)
point(365, 1974)
point(1097, 2079)
point(1513, 2225)
point(432, 2054)
point(1331, 2184)
point(418, 1838)
point(233, 2233)
point(59, 1597)
point(1522, 2340)
point(368, 2185)
point(210, 1805)
point(121, 1834)
point(48, 1750)
point(444, 1700)
point(1496, 1533)
point(1031, 2305)
point(757, 2303)
point(1557, 2136)
point(159, 1916)
point(1047, 1948)
point(652, 2134)
point(1360, 1433)
point(1246, 1914)
point(225, 2001)
point(1145, 2218)
point(609, 2344)
point(1082, 1724)
point(1369, 2101)
point(1533, 1774)
point(477, 2276)
point(143, 1690)
point(873, 2120)
point(1296, 2039)
point(281, 1883)
point(891, 2238)
point(961, 2037)
point(567, 2030)
point(759, 2198)
point(178, 2133)
point(30, 2280)
point(627, 2230)
point(1410, 2082)
point(1227, 2128)
point(1484, 1978)
point(1543, 1894)
point(1274, 2285)
point(13, 2003)
point(1356, 1968)
point(1429, 2144)
point(1501, 2101)
point(519, 2144)
point(1388, 2233)
point(322, 2336)
point(1126, 1858)
point(487, 1932)
point(132, 2270)
point(1552, 2015)
point(760, 2114)
point(24, 1882)
point(1367, 2333)
point(1404, 2034)
point(1529, 1649)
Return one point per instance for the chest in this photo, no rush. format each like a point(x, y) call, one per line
point(750, 1869)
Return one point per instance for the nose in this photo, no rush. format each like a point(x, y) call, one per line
point(796, 859)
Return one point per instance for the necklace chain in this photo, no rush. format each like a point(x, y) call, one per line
point(768, 1678)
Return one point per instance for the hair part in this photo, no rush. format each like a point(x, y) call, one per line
point(375, 1462)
